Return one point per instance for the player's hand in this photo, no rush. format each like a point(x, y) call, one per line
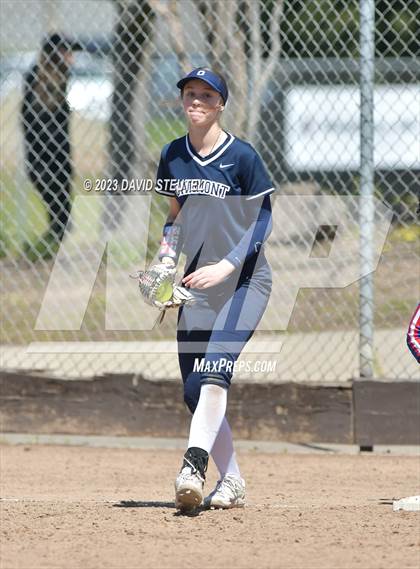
point(208, 276)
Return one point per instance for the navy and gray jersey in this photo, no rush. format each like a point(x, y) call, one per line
point(224, 199)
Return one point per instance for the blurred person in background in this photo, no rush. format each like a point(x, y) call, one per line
point(45, 120)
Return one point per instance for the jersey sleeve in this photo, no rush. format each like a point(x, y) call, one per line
point(254, 179)
point(163, 184)
point(256, 235)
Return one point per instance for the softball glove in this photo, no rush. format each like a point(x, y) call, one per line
point(157, 287)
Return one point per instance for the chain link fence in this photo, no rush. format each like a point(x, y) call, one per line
point(88, 99)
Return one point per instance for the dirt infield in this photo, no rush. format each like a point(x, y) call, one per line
point(90, 508)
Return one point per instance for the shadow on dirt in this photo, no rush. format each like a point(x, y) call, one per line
point(151, 504)
point(143, 504)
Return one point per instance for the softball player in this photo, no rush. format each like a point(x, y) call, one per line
point(413, 334)
point(220, 216)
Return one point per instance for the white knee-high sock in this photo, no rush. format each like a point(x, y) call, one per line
point(208, 417)
point(223, 452)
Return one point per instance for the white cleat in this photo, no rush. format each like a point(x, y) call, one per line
point(188, 489)
point(229, 493)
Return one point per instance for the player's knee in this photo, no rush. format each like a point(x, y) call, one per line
point(192, 388)
point(190, 401)
point(217, 380)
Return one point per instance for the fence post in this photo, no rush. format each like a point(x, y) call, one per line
point(367, 63)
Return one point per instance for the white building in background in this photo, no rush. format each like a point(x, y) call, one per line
point(322, 127)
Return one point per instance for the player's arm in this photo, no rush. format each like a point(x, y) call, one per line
point(157, 284)
point(257, 187)
point(255, 236)
point(171, 244)
point(174, 209)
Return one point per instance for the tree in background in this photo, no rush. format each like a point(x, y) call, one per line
point(243, 42)
point(330, 28)
point(131, 35)
point(397, 28)
point(245, 39)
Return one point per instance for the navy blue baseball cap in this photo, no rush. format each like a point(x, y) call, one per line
point(215, 81)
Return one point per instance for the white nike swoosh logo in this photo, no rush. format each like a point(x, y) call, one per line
point(226, 165)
